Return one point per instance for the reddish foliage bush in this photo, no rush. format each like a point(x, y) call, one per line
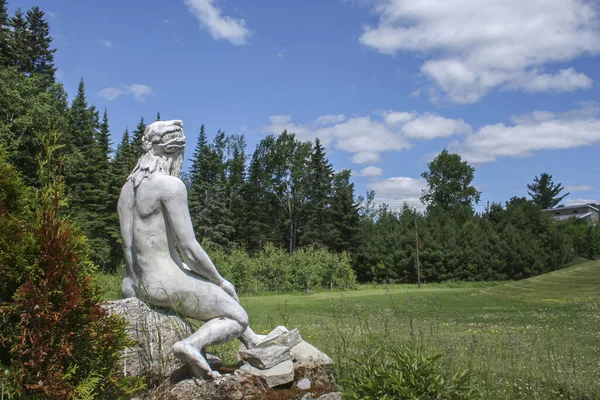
point(62, 342)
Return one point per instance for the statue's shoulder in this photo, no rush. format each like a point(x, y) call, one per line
point(168, 184)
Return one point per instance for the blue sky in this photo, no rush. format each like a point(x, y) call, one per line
point(512, 86)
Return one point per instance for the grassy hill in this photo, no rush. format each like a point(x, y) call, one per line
point(580, 281)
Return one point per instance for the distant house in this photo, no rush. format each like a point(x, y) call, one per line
point(584, 211)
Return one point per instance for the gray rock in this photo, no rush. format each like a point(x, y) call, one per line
point(306, 352)
point(278, 375)
point(331, 396)
point(303, 384)
point(227, 388)
point(265, 358)
point(287, 339)
point(154, 333)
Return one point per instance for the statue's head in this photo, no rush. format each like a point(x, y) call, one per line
point(163, 145)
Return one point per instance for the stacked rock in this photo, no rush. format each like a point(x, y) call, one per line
point(278, 355)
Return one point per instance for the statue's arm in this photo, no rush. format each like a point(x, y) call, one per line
point(175, 205)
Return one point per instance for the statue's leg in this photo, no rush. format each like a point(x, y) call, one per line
point(215, 331)
point(251, 338)
point(226, 320)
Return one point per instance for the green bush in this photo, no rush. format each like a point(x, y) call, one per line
point(274, 269)
point(403, 373)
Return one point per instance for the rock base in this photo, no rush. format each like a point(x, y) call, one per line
point(280, 366)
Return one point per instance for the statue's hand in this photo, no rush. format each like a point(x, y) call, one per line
point(229, 289)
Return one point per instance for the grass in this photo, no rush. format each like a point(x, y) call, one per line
point(537, 338)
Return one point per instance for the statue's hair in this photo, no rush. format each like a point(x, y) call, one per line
point(161, 139)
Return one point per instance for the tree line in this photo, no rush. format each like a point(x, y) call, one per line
point(285, 192)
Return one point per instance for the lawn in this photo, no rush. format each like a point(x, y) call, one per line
point(537, 338)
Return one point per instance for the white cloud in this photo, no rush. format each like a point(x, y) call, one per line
point(165, 22)
point(578, 188)
point(368, 136)
point(540, 130)
point(472, 49)
point(565, 80)
point(430, 126)
point(107, 44)
point(370, 172)
point(219, 26)
point(365, 157)
point(399, 190)
point(137, 90)
point(576, 202)
point(330, 119)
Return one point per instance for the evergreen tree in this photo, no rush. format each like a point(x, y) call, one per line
point(136, 140)
point(4, 35)
point(208, 197)
point(590, 243)
point(319, 229)
point(120, 168)
point(18, 41)
point(40, 55)
point(544, 192)
point(104, 143)
point(236, 177)
point(158, 116)
point(345, 215)
point(25, 113)
point(84, 178)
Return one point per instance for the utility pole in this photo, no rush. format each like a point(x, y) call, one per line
point(417, 246)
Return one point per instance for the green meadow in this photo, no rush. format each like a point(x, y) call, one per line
point(538, 338)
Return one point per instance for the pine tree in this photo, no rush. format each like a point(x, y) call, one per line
point(136, 140)
point(211, 217)
point(120, 168)
point(83, 176)
point(236, 176)
point(319, 229)
point(40, 55)
point(4, 35)
point(345, 215)
point(158, 116)
point(18, 41)
point(544, 192)
point(104, 143)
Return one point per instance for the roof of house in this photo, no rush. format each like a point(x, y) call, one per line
point(577, 215)
point(571, 207)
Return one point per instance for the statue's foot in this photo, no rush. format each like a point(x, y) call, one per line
point(251, 338)
point(192, 357)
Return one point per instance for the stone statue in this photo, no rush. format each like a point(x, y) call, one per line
point(156, 228)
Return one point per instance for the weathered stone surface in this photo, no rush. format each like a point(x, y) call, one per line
point(303, 384)
point(155, 332)
point(306, 352)
point(328, 396)
point(227, 388)
point(331, 396)
point(278, 375)
point(287, 339)
point(265, 358)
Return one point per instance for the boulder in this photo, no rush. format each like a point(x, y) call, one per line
point(154, 331)
point(306, 352)
point(265, 358)
point(278, 375)
point(287, 339)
